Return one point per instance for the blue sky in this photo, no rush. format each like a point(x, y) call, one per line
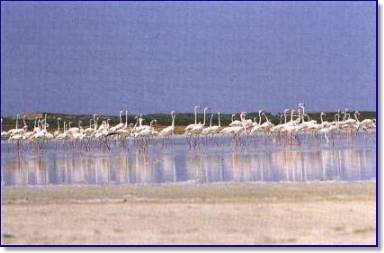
point(79, 57)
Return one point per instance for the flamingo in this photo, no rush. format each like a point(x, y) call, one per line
point(349, 124)
point(324, 123)
point(125, 131)
point(27, 134)
point(246, 123)
point(73, 129)
point(88, 132)
point(18, 134)
point(236, 122)
point(16, 130)
point(366, 124)
point(43, 133)
point(207, 130)
point(198, 128)
point(169, 131)
point(16, 137)
point(235, 131)
point(63, 135)
point(57, 132)
point(102, 131)
point(36, 127)
point(118, 126)
point(145, 130)
point(279, 127)
point(189, 128)
point(267, 125)
point(330, 129)
point(216, 129)
point(256, 126)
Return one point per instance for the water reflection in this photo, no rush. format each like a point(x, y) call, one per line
point(177, 163)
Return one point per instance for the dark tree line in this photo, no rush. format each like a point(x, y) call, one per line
point(165, 119)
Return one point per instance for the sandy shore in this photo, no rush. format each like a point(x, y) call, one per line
point(318, 213)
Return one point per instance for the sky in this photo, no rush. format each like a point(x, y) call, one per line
point(149, 57)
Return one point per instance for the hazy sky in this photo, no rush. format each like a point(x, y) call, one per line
point(79, 57)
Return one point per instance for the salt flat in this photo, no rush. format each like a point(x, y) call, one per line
point(252, 213)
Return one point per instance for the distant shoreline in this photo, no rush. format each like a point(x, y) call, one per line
point(163, 119)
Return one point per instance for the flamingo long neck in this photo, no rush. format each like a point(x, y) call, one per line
point(204, 117)
point(292, 115)
point(259, 118)
point(173, 120)
point(321, 118)
point(303, 108)
point(195, 116)
point(126, 118)
point(58, 125)
point(356, 117)
point(285, 117)
point(266, 118)
point(17, 119)
point(232, 117)
point(210, 121)
point(219, 120)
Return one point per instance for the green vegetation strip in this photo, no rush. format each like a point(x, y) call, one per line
point(182, 119)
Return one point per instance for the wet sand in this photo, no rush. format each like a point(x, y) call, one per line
point(278, 213)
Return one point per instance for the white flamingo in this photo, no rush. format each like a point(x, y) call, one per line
point(57, 132)
point(169, 131)
point(216, 129)
point(189, 128)
point(198, 128)
point(256, 126)
point(118, 126)
point(16, 130)
point(235, 122)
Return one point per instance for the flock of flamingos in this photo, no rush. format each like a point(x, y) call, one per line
point(295, 122)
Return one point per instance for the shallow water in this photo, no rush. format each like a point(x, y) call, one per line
point(258, 159)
